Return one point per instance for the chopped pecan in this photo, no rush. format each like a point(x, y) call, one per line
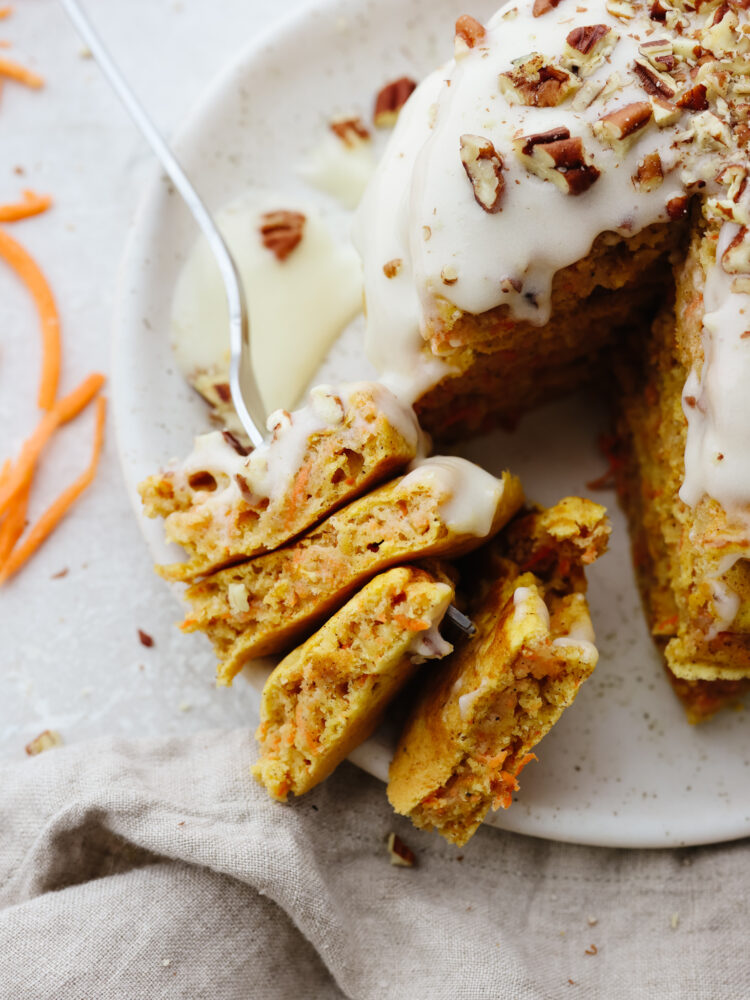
point(555, 156)
point(449, 275)
point(144, 638)
point(693, 99)
point(469, 34)
point(621, 8)
point(733, 177)
point(677, 207)
point(537, 83)
point(619, 127)
point(649, 174)
point(351, 130)
point(586, 48)
point(400, 855)
point(281, 232)
point(665, 113)
point(234, 442)
point(47, 740)
point(659, 53)
point(653, 82)
point(391, 99)
point(657, 12)
point(736, 257)
point(392, 267)
point(484, 168)
point(544, 7)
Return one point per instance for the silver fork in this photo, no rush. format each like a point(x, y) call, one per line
point(244, 388)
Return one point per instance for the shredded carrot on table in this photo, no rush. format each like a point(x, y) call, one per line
point(5, 12)
point(28, 271)
point(63, 411)
point(59, 508)
point(15, 71)
point(12, 526)
point(32, 204)
point(4, 44)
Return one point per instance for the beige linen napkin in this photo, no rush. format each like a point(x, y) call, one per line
point(159, 870)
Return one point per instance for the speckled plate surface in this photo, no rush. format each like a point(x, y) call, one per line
point(622, 768)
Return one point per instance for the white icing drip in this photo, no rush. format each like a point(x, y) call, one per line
point(339, 168)
point(580, 634)
point(726, 603)
point(421, 188)
point(527, 602)
point(381, 232)
point(429, 644)
point(297, 306)
point(471, 495)
point(467, 701)
point(717, 452)
point(270, 469)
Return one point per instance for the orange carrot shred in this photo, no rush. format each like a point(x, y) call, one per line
point(32, 204)
point(59, 508)
point(15, 71)
point(63, 411)
point(28, 271)
point(15, 521)
point(5, 12)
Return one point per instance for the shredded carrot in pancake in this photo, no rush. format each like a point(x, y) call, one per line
point(15, 71)
point(32, 204)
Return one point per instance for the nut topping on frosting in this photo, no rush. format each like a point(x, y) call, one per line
point(649, 175)
point(677, 207)
point(536, 83)
point(469, 34)
point(618, 128)
point(665, 113)
point(392, 267)
point(391, 99)
point(555, 156)
point(543, 7)
point(694, 99)
point(653, 82)
point(281, 232)
point(736, 257)
point(622, 9)
point(484, 168)
point(659, 53)
point(586, 48)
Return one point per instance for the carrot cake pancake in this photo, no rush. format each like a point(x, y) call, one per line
point(327, 696)
point(442, 507)
point(481, 713)
point(574, 179)
point(223, 504)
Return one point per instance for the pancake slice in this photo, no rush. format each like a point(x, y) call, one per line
point(328, 696)
point(223, 505)
point(442, 507)
point(486, 707)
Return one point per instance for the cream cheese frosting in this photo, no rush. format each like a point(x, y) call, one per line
point(269, 470)
point(554, 124)
point(470, 496)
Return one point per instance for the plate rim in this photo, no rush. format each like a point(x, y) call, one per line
point(647, 838)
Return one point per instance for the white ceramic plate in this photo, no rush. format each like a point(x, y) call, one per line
point(622, 768)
